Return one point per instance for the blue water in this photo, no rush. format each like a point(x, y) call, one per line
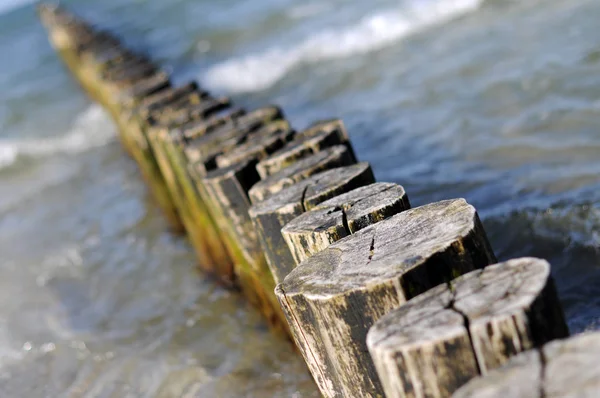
point(495, 101)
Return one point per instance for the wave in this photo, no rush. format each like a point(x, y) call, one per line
point(308, 10)
point(260, 71)
point(92, 128)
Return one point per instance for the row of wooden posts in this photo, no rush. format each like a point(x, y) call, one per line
point(380, 298)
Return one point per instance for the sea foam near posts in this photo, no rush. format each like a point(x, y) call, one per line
point(260, 71)
point(91, 128)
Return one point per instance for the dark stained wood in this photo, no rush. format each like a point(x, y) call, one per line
point(205, 148)
point(191, 108)
point(326, 159)
point(271, 215)
point(272, 137)
point(441, 339)
point(319, 136)
point(341, 216)
point(227, 200)
point(333, 298)
point(565, 368)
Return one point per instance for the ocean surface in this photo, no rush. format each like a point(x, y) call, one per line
point(495, 101)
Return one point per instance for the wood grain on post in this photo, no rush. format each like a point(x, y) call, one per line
point(135, 118)
point(168, 145)
point(271, 215)
point(565, 368)
point(204, 160)
point(319, 136)
point(204, 149)
point(227, 200)
point(164, 98)
point(326, 159)
point(132, 122)
point(441, 339)
point(272, 137)
point(341, 216)
point(333, 298)
point(193, 109)
point(96, 86)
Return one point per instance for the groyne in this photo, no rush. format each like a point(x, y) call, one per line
point(380, 298)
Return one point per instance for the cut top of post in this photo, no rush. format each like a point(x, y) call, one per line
point(322, 160)
point(495, 292)
point(357, 206)
point(565, 368)
point(204, 155)
point(384, 252)
point(146, 87)
point(237, 128)
point(164, 97)
point(198, 127)
point(320, 135)
point(264, 142)
point(341, 216)
point(310, 192)
point(197, 107)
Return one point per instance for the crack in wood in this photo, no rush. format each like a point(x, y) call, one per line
point(543, 363)
point(303, 197)
point(466, 322)
point(372, 249)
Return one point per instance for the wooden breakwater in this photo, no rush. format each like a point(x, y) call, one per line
point(380, 298)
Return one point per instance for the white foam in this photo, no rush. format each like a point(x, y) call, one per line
point(90, 129)
point(260, 71)
point(308, 9)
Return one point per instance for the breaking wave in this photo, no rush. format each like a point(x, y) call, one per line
point(92, 128)
point(256, 72)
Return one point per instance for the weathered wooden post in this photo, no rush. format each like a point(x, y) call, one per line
point(565, 368)
point(226, 188)
point(203, 150)
point(167, 147)
point(92, 56)
point(271, 215)
point(333, 298)
point(132, 121)
point(341, 216)
point(320, 135)
point(327, 158)
point(198, 142)
point(258, 146)
point(441, 339)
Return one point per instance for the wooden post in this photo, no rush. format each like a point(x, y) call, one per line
point(204, 149)
point(341, 216)
point(271, 215)
point(134, 117)
point(320, 135)
point(164, 98)
point(328, 158)
point(226, 191)
point(167, 144)
point(565, 368)
point(190, 109)
point(441, 339)
point(132, 123)
point(334, 297)
point(258, 146)
point(87, 65)
point(204, 136)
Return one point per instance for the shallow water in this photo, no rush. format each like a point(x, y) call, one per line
point(494, 101)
